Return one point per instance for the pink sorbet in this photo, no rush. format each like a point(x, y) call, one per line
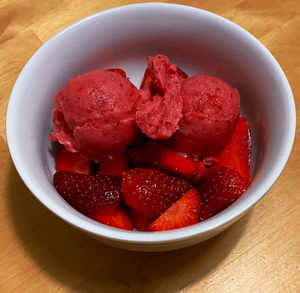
point(211, 110)
point(160, 107)
point(95, 114)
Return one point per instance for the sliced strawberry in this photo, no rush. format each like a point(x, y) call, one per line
point(117, 70)
point(219, 187)
point(201, 170)
point(89, 194)
point(236, 154)
point(67, 161)
point(113, 165)
point(182, 213)
point(151, 192)
point(140, 221)
point(153, 154)
point(119, 219)
point(209, 161)
point(147, 78)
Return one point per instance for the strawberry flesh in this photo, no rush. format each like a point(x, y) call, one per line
point(119, 219)
point(147, 78)
point(89, 194)
point(67, 161)
point(182, 213)
point(113, 165)
point(219, 187)
point(236, 154)
point(154, 154)
point(151, 192)
point(201, 170)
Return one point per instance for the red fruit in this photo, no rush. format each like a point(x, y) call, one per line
point(140, 221)
point(182, 213)
point(201, 171)
point(236, 154)
point(67, 161)
point(113, 165)
point(209, 161)
point(89, 194)
point(151, 192)
point(117, 70)
point(153, 154)
point(119, 219)
point(147, 79)
point(219, 187)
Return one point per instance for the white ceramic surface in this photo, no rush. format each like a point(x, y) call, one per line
point(198, 42)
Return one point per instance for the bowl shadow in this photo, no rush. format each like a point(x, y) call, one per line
point(85, 265)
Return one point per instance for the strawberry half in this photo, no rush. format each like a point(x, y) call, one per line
point(236, 154)
point(151, 192)
point(147, 78)
point(67, 161)
point(182, 213)
point(113, 165)
point(117, 70)
point(140, 221)
point(119, 219)
point(219, 187)
point(154, 154)
point(201, 170)
point(89, 194)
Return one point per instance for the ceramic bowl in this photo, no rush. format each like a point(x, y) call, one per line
point(198, 42)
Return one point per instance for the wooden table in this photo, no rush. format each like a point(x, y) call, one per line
point(40, 253)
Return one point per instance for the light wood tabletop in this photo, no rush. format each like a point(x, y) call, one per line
point(41, 253)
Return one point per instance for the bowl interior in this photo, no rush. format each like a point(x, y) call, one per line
point(198, 42)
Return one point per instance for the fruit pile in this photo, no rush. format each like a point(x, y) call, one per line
point(167, 156)
point(153, 187)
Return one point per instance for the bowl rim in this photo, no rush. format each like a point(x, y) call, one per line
point(216, 222)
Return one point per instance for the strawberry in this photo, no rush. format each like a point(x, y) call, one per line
point(182, 213)
point(147, 78)
point(67, 161)
point(151, 192)
point(117, 70)
point(154, 154)
point(236, 154)
point(119, 219)
point(201, 169)
point(89, 194)
point(219, 187)
point(113, 165)
point(140, 221)
point(209, 161)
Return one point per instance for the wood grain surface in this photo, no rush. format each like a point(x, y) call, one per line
point(40, 253)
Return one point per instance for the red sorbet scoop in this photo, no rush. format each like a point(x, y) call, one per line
point(95, 114)
point(211, 109)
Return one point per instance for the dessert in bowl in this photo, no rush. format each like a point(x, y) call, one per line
point(197, 41)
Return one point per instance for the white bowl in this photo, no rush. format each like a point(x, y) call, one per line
point(198, 42)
